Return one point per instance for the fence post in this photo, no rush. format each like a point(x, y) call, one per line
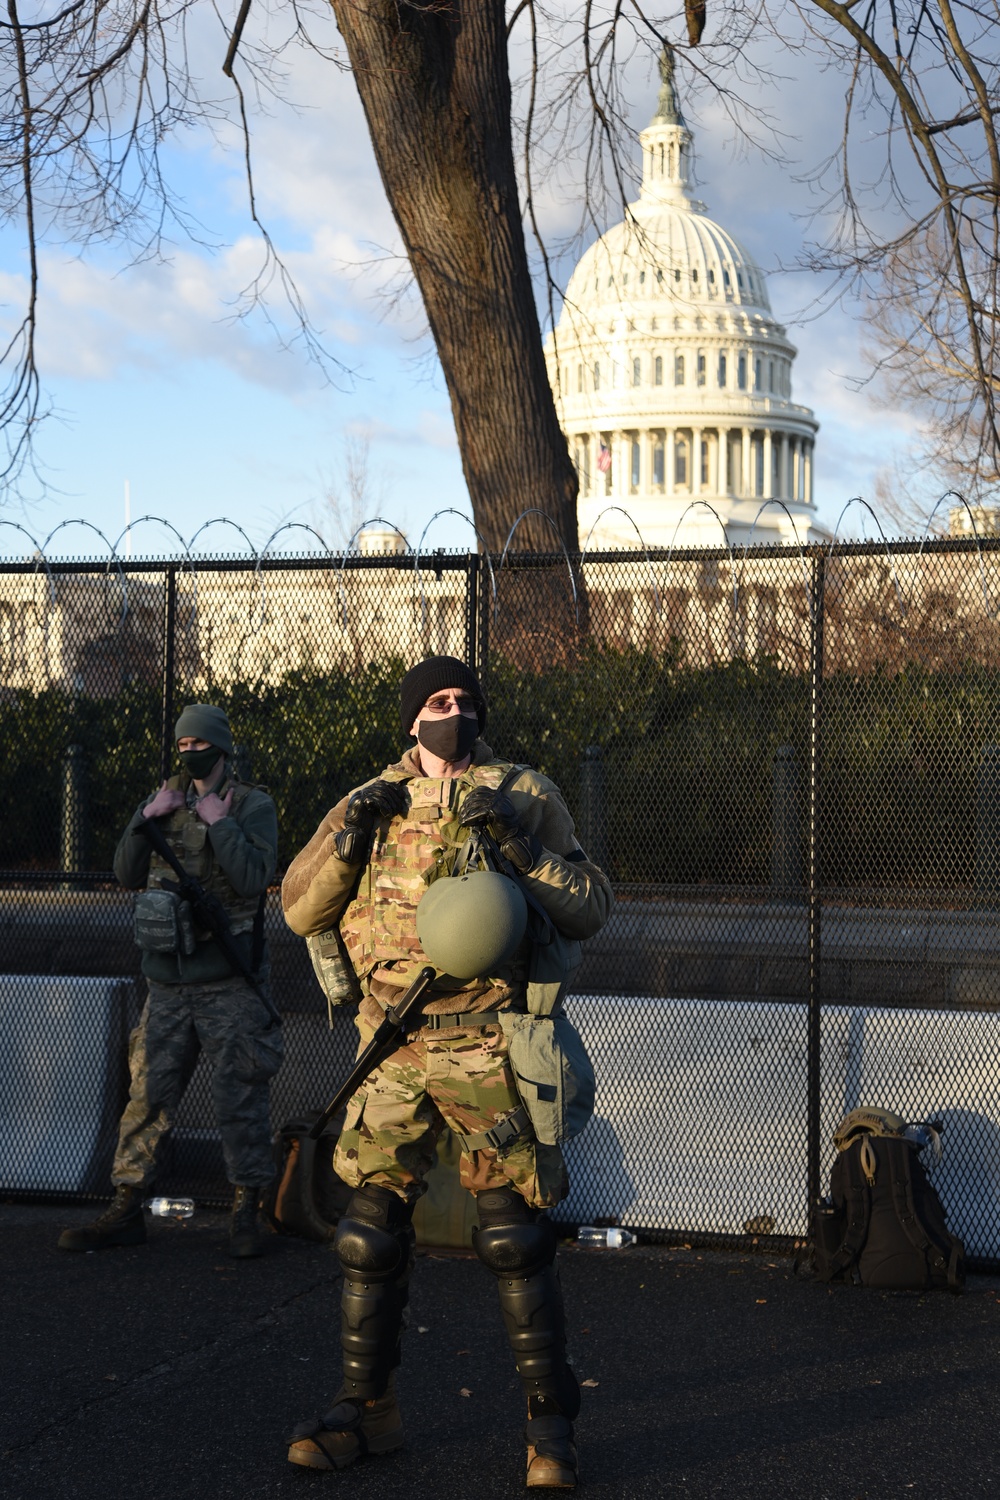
point(813, 876)
point(167, 713)
point(73, 820)
point(594, 806)
point(485, 594)
point(472, 609)
point(988, 823)
point(786, 828)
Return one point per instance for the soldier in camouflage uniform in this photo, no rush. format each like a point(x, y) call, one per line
point(225, 834)
point(367, 867)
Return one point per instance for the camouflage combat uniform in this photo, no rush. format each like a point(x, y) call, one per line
point(198, 1002)
point(456, 1076)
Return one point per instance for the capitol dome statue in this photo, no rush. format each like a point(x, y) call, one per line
point(673, 379)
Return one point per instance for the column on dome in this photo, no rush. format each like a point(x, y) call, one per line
point(768, 485)
point(783, 487)
point(722, 462)
point(696, 460)
point(796, 467)
point(746, 488)
point(807, 484)
point(668, 459)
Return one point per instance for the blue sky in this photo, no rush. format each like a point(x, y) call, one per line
point(156, 384)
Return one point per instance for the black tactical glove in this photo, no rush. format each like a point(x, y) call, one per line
point(494, 811)
point(382, 799)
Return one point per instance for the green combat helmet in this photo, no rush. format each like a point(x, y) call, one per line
point(471, 925)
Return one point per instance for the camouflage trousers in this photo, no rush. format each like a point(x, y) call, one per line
point(228, 1021)
point(461, 1080)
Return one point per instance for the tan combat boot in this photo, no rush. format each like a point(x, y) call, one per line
point(349, 1430)
point(552, 1460)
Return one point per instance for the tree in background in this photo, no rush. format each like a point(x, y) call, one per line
point(95, 88)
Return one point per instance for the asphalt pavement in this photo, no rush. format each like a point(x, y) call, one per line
point(169, 1371)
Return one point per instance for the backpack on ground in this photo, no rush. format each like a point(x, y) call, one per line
point(883, 1224)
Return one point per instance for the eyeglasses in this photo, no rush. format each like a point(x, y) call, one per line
point(442, 704)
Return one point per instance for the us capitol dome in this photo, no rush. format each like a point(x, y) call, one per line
point(673, 379)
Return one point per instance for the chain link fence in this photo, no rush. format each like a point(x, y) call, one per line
point(788, 761)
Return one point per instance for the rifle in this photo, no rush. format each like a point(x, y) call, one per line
point(390, 1032)
point(207, 909)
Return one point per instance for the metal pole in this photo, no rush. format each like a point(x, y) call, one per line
point(73, 826)
point(593, 806)
point(471, 608)
point(786, 829)
point(813, 877)
point(167, 715)
point(988, 824)
point(485, 609)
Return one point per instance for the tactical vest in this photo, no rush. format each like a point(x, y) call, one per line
point(187, 836)
point(379, 926)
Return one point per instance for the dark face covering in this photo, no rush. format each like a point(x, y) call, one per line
point(449, 739)
point(198, 763)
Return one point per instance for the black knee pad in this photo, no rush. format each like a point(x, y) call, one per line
point(511, 1239)
point(374, 1236)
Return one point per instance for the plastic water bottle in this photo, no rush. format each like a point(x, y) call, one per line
point(170, 1208)
point(606, 1239)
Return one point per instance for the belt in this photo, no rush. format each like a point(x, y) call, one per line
point(504, 1133)
point(469, 1020)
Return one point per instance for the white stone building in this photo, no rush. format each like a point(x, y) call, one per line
point(668, 362)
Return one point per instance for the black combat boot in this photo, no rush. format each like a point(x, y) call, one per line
point(121, 1223)
point(245, 1238)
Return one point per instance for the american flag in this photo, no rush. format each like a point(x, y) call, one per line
point(604, 458)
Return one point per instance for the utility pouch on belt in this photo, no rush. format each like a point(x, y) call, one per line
point(553, 1074)
point(162, 923)
point(333, 968)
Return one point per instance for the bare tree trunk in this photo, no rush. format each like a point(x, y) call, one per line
point(435, 88)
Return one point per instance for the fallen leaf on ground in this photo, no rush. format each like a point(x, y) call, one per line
point(590, 1382)
point(465, 1391)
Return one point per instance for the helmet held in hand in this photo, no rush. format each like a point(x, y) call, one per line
point(471, 925)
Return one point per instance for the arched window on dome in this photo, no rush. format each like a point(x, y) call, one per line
point(659, 278)
point(711, 276)
point(770, 376)
point(658, 370)
point(758, 382)
point(635, 463)
point(658, 449)
point(597, 374)
point(579, 379)
point(722, 372)
point(642, 278)
point(701, 367)
point(677, 273)
point(661, 158)
point(694, 275)
point(741, 372)
point(678, 369)
point(637, 371)
point(682, 461)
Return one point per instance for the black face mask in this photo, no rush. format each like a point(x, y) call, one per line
point(449, 739)
point(198, 763)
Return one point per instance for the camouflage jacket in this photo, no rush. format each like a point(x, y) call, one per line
point(378, 919)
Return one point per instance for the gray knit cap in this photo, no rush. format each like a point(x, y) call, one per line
point(203, 721)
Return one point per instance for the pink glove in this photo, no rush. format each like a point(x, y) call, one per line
point(167, 800)
point(211, 808)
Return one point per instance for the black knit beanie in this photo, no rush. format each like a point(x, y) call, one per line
point(433, 675)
